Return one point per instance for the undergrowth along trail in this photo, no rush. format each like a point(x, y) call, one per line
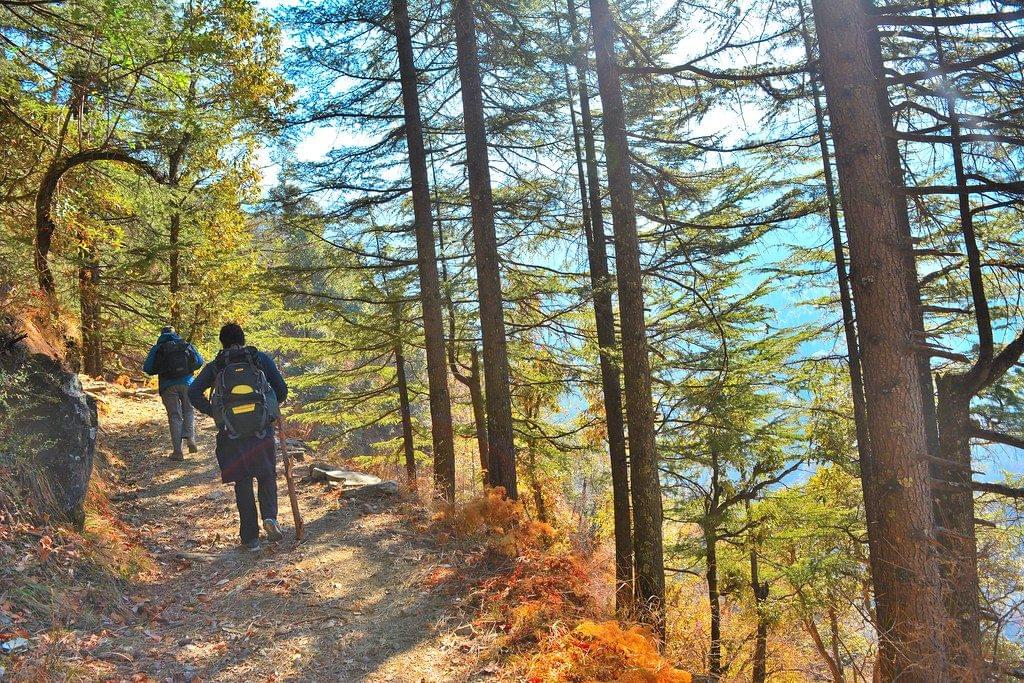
point(380, 589)
point(347, 604)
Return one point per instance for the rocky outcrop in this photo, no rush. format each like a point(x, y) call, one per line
point(48, 424)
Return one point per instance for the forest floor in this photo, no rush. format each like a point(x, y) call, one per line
point(354, 601)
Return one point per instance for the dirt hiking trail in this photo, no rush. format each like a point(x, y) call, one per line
point(350, 603)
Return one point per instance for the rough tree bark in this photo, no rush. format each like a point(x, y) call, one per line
point(714, 603)
point(643, 455)
point(501, 446)
point(473, 381)
point(845, 297)
point(46, 226)
point(91, 309)
point(901, 528)
point(408, 445)
point(174, 173)
point(430, 294)
point(604, 317)
point(760, 589)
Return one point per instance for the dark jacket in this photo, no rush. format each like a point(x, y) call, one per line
point(248, 457)
point(165, 382)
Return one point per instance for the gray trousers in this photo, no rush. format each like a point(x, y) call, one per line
point(180, 415)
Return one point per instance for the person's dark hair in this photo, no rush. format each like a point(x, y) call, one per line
point(232, 335)
point(167, 330)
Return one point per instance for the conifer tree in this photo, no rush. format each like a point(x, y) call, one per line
point(501, 460)
point(645, 482)
point(907, 584)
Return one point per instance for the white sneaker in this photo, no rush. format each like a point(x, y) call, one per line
point(273, 530)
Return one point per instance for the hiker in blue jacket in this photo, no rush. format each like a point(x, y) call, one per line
point(175, 361)
point(247, 392)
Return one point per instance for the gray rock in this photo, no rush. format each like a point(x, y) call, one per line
point(317, 473)
point(52, 418)
point(14, 646)
point(381, 490)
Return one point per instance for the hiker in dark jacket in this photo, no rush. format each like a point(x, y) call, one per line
point(244, 457)
point(175, 362)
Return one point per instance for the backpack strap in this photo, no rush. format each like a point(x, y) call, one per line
point(227, 356)
point(254, 357)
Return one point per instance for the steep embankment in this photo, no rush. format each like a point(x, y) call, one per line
point(350, 603)
point(47, 423)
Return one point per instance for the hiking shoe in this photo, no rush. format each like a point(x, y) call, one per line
point(273, 530)
point(253, 546)
point(192, 447)
point(177, 457)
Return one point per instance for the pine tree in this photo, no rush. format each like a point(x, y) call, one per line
point(907, 585)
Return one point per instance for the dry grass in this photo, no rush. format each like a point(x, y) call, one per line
point(52, 576)
point(603, 651)
point(540, 604)
point(494, 521)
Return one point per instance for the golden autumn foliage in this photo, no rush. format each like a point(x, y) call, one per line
point(541, 590)
point(543, 604)
point(496, 520)
point(603, 651)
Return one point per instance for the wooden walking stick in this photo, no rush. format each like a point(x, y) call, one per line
point(292, 495)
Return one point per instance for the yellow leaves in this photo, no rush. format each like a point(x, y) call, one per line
point(604, 651)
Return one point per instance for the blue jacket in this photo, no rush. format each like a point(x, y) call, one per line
point(147, 367)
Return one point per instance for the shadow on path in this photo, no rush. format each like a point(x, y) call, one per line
point(350, 603)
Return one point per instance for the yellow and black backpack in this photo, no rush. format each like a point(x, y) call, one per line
point(241, 394)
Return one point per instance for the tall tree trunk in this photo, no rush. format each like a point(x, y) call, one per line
point(430, 293)
point(532, 413)
point(760, 590)
point(89, 301)
point(174, 258)
point(846, 303)
point(406, 412)
point(174, 263)
point(474, 380)
point(714, 602)
point(501, 446)
point(845, 297)
point(645, 482)
point(833, 624)
point(604, 317)
point(954, 514)
point(904, 568)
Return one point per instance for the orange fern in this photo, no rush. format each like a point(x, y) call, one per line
point(603, 651)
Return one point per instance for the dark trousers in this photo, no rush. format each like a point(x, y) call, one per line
point(249, 521)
